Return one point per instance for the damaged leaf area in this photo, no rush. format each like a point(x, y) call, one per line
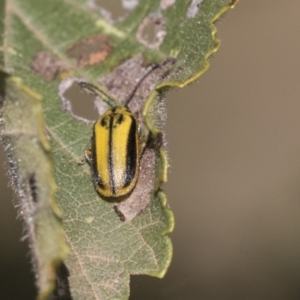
point(47, 66)
point(90, 51)
point(52, 47)
point(113, 11)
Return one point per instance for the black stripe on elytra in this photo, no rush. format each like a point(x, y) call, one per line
point(131, 154)
point(95, 173)
point(120, 119)
point(110, 156)
point(104, 122)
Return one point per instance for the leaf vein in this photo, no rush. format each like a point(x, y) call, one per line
point(81, 267)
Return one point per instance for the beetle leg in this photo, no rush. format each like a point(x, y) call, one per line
point(149, 139)
point(86, 157)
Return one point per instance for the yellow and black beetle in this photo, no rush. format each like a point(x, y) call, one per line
point(117, 144)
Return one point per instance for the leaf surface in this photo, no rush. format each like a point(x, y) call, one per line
point(46, 42)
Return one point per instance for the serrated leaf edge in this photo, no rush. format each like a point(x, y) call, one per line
point(155, 131)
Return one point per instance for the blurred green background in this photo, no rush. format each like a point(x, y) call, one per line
point(234, 181)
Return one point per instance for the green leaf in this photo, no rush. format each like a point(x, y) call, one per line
point(28, 154)
point(49, 46)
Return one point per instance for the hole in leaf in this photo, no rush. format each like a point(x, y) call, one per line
point(78, 102)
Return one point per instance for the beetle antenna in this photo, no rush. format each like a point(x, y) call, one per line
point(130, 96)
point(97, 92)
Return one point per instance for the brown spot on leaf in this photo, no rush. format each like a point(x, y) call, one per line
point(152, 30)
point(91, 51)
point(46, 65)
